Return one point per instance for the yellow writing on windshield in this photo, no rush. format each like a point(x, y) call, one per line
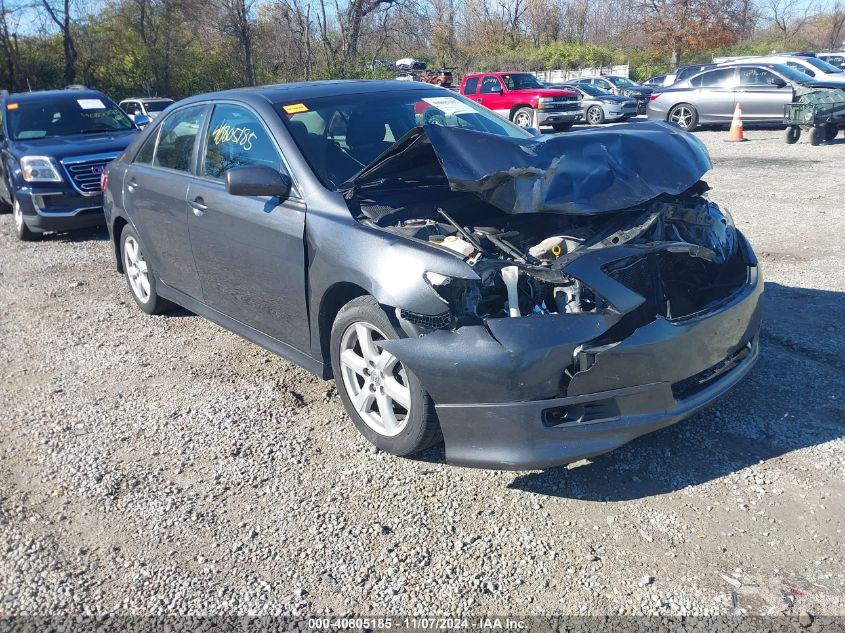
point(225, 133)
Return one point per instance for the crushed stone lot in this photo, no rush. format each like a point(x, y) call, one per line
point(162, 465)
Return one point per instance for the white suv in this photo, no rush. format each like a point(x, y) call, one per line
point(816, 68)
point(147, 106)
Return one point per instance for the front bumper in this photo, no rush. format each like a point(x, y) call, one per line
point(58, 210)
point(556, 117)
point(500, 398)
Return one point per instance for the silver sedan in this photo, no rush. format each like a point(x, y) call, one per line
point(710, 97)
point(598, 106)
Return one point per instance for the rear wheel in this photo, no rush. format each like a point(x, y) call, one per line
point(139, 274)
point(595, 115)
point(386, 402)
point(685, 116)
point(523, 117)
point(21, 229)
point(817, 135)
point(792, 134)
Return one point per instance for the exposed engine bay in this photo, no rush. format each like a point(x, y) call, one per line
point(681, 253)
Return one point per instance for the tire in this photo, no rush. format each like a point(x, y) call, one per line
point(816, 135)
point(523, 117)
point(562, 127)
point(684, 115)
point(792, 134)
point(830, 131)
point(22, 231)
point(140, 277)
point(411, 424)
point(595, 115)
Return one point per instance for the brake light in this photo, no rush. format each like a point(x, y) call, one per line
point(654, 95)
point(104, 179)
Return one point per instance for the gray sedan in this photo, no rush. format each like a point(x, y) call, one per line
point(710, 97)
point(599, 106)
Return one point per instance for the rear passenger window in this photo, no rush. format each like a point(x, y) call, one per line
point(471, 86)
point(714, 78)
point(177, 137)
point(236, 137)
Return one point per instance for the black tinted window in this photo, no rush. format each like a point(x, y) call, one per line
point(471, 86)
point(715, 78)
point(490, 85)
point(177, 137)
point(145, 154)
point(236, 137)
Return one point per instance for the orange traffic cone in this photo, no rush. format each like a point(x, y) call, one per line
point(736, 125)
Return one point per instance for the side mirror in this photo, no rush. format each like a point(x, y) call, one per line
point(141, 120)
point(500, 91)
point(257, 180)
point(777, 82)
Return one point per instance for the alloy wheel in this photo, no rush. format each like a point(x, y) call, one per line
point(136, 269)
point(17, 213)
point(681, 115)
point(594, 115)
point(375, 380)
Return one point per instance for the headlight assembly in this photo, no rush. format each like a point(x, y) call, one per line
point(39, 169)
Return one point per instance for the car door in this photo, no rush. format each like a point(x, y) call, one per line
point(491, 95)
point(249, 251)
point(762, 94)
point(155, 191)
point(714, 95)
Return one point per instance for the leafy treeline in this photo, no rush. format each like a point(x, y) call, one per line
point(182, 47)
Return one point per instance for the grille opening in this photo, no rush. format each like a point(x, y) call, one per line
point(581, 413)
point(689, 387)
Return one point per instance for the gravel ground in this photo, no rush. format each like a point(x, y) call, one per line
point(161, 465)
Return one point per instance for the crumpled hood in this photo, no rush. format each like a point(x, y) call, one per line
point(582, 172)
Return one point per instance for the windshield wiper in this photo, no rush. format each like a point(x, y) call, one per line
point(98, 130)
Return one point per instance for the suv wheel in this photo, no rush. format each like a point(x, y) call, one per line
point(523, 117)
point(386, 402)
point(139, 275)
point(21, 229)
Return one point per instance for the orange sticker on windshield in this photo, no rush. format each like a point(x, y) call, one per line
point(295, 108)
point(11, 106)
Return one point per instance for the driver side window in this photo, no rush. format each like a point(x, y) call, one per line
point(236, 137)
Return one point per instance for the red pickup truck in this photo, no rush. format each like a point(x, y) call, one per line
point(521, 98)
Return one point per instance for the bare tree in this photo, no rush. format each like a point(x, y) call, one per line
point(59, 12)
point(835, 20)
point(9, 40)
point(788, 17)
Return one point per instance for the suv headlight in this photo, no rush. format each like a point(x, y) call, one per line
point(39, 169)
point(544, 102)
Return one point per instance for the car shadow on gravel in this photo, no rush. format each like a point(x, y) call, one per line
point(791, 400)
point(97, 234)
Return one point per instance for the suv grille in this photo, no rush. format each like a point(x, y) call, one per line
point(85, 171)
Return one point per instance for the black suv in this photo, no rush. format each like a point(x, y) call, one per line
point(54, 147)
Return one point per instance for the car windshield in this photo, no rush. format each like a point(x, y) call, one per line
point(156, 106)
point(791, 74)
point(341, 135)
point(622, 82)
point(822, 65)
point(521, 81)
point(63, 116)
point(593, 91)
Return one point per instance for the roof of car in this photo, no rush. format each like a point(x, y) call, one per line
point(146, 99)
point(44, 95)
point(313, 89)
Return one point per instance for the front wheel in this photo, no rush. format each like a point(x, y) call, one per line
point(817, 135)
point(22, 231)
point(595, 115)
point(139, 274)
point(523, 117)
point(685, 116)
point(386, 402)
point(562, 127)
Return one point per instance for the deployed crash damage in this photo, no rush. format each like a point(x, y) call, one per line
point(604, 295)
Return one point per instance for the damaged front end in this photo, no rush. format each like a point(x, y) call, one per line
point(579, 324)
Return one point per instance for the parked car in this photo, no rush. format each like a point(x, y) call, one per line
point(149, 107)
point(620, 86)
point(655, 81)
point(834, 59)
point(523, 99)
point(710, 97)
point(685, 72)
point(813, 67)
point(598, 106)
point(54, 145)
point(421, 250)
point(440, 77)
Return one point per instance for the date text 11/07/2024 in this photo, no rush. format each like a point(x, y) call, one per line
point(418, 623)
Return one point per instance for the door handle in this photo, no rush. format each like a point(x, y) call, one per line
point(198, 206)
point(478, 99)
point(132, 185)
